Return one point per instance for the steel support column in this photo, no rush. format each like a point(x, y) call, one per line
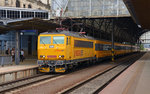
point(92, 27)
point(100, 24)
point(17, 49)
point(112, 38)
point(71, 24)
point(84, 25)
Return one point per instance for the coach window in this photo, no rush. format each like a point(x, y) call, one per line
point(106, 47)
point(98, 47)
point(58, 40)
point(116, 48)
point(109, 47)
point(84, 44)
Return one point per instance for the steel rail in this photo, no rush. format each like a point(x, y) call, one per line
point(8, 86)
point(73, 89)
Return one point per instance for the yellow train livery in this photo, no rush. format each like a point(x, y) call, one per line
point(60, 51)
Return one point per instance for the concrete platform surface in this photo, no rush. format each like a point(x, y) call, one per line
point(26, 64)
point(135, 80)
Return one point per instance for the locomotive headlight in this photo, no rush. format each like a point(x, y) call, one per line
point(61, 56)
point(41, 56)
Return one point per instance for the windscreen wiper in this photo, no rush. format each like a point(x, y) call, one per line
point(43, 42)
point(55, 42)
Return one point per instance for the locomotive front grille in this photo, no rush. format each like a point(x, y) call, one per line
point(51, 62)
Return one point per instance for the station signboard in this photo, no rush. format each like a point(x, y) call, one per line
point(28, 32)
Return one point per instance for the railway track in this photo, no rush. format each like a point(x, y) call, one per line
point(9, 86)
point(96, 83)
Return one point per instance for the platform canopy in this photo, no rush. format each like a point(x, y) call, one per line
point(32, 24)
point(139, 10)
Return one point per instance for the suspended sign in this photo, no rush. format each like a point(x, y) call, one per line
point(28, 32)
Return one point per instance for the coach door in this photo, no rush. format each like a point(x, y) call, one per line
point(68, 47)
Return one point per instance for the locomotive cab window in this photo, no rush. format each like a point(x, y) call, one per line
point(45, 40)
point(58, 40)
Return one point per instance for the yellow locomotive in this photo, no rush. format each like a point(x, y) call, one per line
point(59, 51)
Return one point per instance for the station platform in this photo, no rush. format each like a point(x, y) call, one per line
point(135, 80)
point(26, 64)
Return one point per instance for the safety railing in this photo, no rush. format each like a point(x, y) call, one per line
point(5, 60)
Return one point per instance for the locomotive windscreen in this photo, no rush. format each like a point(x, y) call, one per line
point(58, 40)
point(45, 40)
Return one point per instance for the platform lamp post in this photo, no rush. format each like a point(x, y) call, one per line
point(112, 38)
point(21, 34)
point(17, 49)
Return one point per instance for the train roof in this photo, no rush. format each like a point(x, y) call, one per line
point(75, 34)
point(70, 33)
point(79, 35)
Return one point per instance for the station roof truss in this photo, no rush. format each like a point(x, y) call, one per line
point(125, 29)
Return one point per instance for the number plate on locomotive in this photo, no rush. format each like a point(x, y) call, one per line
point(51, 46)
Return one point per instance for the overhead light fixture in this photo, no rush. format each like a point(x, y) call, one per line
point(139, 26)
